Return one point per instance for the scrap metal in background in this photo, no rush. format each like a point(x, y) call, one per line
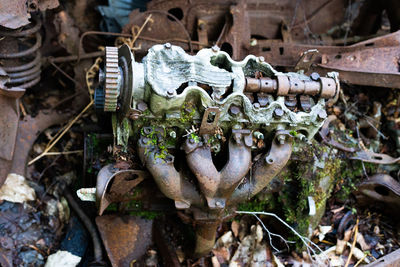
point(126, 238)
point(380, 188)
point(239, 28)
point(22, 65)
point(15, 14)
point(374, 62)
point(21, 69)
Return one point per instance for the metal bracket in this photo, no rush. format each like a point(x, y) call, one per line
point(210, 120)
point(307, 58)
point(123, 181)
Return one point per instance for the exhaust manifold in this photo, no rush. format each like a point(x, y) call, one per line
point(228, 125)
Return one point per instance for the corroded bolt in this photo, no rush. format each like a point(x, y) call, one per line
point(215, 48)
point(322, 114)
point(256, 105)
point(278, 112)
point(234, 110)
point(281, 138)
point(167, 45)
point(170, 92)
point(314, 76)
point(141, 106)
point(258, 135)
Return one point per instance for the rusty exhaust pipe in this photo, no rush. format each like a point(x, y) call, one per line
point(216, 186)
point(172, 183)
point(264, 169)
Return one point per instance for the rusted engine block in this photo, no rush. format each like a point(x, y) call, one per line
point(212, 132)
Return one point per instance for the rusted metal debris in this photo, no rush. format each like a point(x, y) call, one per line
point(381, 188)
point(174, 80)
point(377, 158)
point(359, 154)
point(22, 65)
point(16, 14)
point(126, 238)
point(167, 250)
point(20, 51)
point(232, 25)
point(373, 62)
point(115, 185)
point(28, 130)
point(390, 260)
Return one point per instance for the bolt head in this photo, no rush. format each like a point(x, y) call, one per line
point(281, 139)
point(261, 59)
point(278, 112)
point(170, 92)
point(172, 134)
point(256, 105)
point(322, 114)
point(314, 76)
point(167, 45)
point(142, 106)
point(234, 110)
point(258, 135)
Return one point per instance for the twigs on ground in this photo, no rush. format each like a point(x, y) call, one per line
point(352, 245)
point(50, 59)
point(360, 260)
point(135, 35)
point(272, 234)
point(66, 129)
point(306, 241)
point(64, 153)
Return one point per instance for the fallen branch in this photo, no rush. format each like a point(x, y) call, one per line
point(306, 241)
point(272, 234)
